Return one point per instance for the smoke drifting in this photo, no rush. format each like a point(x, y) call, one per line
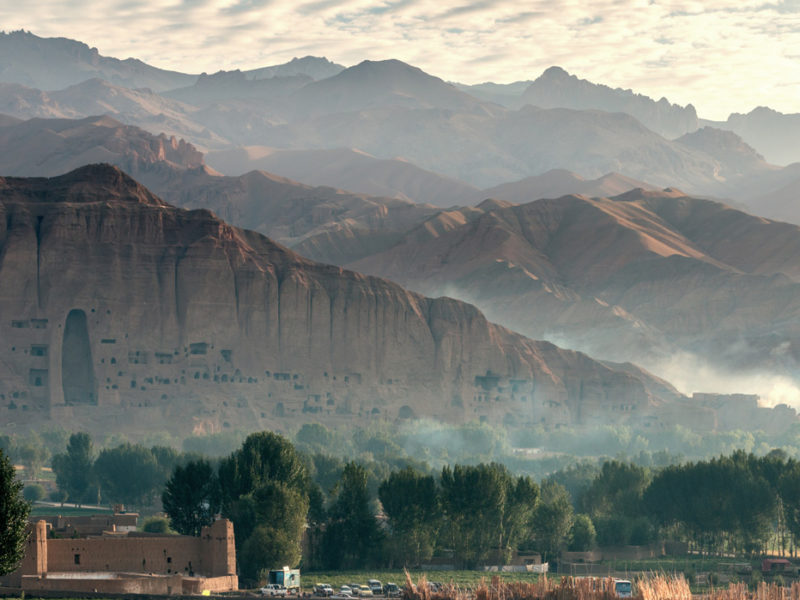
point(691, 373)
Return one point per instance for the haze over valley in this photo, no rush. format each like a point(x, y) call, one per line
point(232, 246)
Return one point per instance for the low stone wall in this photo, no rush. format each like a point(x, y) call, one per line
point(131, 583)
point(120, 584)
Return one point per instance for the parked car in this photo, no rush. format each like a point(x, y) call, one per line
point(273, 589)
point(364, 591)
point(391, 590)
point(346, 589)
point(375, 586)
point(323, 589)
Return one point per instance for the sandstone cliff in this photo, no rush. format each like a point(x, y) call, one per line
point(120, 311)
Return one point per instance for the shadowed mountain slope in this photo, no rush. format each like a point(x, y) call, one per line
point(642, 273)
point(348, 170)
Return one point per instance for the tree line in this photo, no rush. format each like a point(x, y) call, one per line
point(396, 512)
point(268, 490)
point(129, 474)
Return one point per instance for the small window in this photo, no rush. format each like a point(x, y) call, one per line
point(169, 559)
point(77, 559)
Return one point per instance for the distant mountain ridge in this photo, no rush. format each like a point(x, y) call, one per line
point(314, 67)
point(347, 169)
point(56, 63)
point(391, 110)
point(373, 84)
point(560, 182)
point(556, 88)
point(775, 134)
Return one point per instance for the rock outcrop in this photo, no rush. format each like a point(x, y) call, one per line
point(120, 311)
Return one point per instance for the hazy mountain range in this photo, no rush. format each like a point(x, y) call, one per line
point(563, 209)
point(391, 110)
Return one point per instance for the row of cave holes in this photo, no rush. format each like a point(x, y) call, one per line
point(189, 569)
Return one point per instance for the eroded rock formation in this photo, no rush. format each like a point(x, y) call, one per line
point(180, 321)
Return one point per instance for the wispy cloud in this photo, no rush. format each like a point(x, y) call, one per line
point(721, 55)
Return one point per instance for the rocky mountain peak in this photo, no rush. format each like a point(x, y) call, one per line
point(555, 73)
point(89, 184)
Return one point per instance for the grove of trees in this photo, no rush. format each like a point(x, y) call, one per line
point(383, 507)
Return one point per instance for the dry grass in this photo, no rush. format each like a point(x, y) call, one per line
point(656, 587)
point(764, 591)
point(661, 587)
point(544, 588)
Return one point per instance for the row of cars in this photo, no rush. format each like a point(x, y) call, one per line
point(352, 590)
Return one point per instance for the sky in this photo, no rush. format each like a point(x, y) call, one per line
point(722, 56)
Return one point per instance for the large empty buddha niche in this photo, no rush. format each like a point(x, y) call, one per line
point(77, 370)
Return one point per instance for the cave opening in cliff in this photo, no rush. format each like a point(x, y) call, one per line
point(77, 369)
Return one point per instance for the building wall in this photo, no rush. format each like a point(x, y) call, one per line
point(137, 563)
point(212, 554)
point(159, 555)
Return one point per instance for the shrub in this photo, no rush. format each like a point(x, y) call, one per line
point(33, 492)
point(157, 525)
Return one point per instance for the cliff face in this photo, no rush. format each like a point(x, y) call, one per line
point(118, 309)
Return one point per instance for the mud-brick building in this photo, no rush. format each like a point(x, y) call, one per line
point(132, 563)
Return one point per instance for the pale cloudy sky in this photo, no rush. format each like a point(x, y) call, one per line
point(721, 55)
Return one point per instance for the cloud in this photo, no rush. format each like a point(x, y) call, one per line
point(722, 56)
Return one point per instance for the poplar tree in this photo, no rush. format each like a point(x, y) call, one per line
point(14, 512)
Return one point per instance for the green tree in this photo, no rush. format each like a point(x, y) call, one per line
point(191, 497)
point(617, 490)
point(73, 469)
point(14, 512)
point(553, 519)
point(128, 474)
point(275, 514)
point(522, 497)
point(264, 456)
point(315, 437)
point(582, 536)
point(411, 503)
point(267, 547)
point(352, 538)
point(264, 489)
point(473, 505)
